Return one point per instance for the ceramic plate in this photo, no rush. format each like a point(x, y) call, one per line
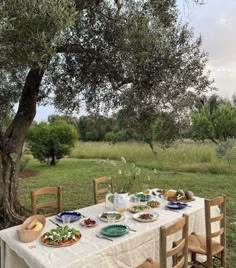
point(176, 205)
point(74, 215)
point(115, 230)
point(146, 216)
point(144, 198)
point(139, 208)
point(46, 241)
point(119, 216)
point(88, 222)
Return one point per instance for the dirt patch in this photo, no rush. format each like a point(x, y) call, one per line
point(27, 173)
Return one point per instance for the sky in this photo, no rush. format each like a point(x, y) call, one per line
point(216, 22)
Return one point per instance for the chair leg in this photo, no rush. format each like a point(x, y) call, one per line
point(209, 262)
point(223, 259)
point(193, 257)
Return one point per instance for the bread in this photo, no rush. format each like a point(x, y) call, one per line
point(170, 193)
point(38, 226)
point(32, 224)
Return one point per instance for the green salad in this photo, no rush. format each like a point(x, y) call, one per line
point(117, 215)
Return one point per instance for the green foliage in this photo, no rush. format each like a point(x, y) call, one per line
point(24, 162)
point(94, 128)
point(116, 136)
point(214, 122)
point(31, 30)
point(227, 150)
point(51, 141)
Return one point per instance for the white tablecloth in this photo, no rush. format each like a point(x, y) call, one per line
point(125, 251)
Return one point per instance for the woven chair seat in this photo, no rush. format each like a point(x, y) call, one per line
point(197, 244)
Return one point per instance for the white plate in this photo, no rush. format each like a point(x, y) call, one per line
point(155, 216)
point(88, 225)
point(120, 217)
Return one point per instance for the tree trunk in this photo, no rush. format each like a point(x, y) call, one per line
point(11, 145)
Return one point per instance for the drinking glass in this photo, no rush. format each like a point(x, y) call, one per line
point(65, 219)
point(145, 189)
point(137, 199)
point(111, 218)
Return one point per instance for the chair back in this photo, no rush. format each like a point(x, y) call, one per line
point(100, 188)
point(179, 251)
point(219, 201)
point(44, 194)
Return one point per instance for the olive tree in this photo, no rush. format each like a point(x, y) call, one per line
point(131, 54)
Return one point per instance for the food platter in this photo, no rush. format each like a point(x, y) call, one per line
point(88, 222)
point(74, 215)
point(146, 216)
point(176, 205)
point(115, 230)
point(118, 216)
point(139, 208)
point(60, 237)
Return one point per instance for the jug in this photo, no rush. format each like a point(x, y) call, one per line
point(120, 202)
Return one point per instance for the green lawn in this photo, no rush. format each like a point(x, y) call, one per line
point(209, 177)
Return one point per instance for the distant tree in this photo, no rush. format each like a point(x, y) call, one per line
point(49, 142)
point(94, 127)
point(214, 120)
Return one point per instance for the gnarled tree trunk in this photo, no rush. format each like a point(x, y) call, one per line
point(11, 144)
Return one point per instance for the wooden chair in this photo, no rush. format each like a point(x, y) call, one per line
point(204, 244)
point(179, 251)
point(47, 191)
point(98, 192)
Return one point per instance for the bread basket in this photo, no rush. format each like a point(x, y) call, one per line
point(28, 235)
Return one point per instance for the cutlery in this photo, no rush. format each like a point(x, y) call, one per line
point(55, 223)
point(104, 237)
point(131, 229)
point(172, 210)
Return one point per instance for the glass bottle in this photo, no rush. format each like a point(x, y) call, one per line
point(109, 200)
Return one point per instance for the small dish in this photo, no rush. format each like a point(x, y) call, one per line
point(176, 205)
point(144, 198)
point(115, 230)
point(118, 216)
point(139, 208)
point(74, 215)
point(88, 222)
point(146, 217)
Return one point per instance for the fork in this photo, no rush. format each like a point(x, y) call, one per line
point(104, 237)
point(172, 210)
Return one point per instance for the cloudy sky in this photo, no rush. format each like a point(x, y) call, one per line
point(216, 22)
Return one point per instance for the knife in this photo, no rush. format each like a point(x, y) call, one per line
point(55, 223)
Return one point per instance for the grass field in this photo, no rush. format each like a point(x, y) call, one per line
point(186, 166)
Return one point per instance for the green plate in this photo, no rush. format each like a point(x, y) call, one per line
point(144, 197)
point(115, 230)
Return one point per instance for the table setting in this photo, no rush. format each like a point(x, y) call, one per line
point(93, 233)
